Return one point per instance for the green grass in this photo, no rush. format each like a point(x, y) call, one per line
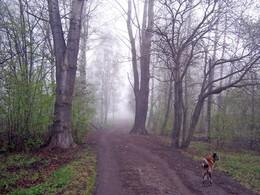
point(76, 177)
point(14, 168)
point(242, 166)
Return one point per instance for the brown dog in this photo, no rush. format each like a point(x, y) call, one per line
point(207, 167)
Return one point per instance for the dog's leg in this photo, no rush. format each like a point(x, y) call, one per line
point(204, 178)
point(210, 179)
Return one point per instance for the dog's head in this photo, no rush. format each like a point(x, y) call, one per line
point(215, 157)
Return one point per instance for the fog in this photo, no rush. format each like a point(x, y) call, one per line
point(110, 50)
point(110, 23)
point(187, 55)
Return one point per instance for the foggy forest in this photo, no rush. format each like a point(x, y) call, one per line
point(184, 70)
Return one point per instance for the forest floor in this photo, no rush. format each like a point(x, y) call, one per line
point(56, 171)
point(126, 165)
point(146, 165)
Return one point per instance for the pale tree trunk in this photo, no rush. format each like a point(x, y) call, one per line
point(66, 66)
point(83, 60)
point(52, 61)
point(141, 92)
point(152, 102)
point(108, 92)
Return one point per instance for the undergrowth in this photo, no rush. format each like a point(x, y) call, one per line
point(242, 166)
point(76, 177)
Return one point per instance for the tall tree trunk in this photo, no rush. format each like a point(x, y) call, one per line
point(209, 102)
point(66, 66)
point(134, 56)
point(142, 93)
point(168, 106)
point(185, 108)
point(185, 105)
point(194, 120)
point(83, 59)
point(177, 123)
point(210, 81)
point(152, 102)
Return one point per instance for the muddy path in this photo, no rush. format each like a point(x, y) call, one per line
point(142, 165)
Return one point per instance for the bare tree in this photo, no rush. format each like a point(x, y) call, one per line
point(185, 51)
point(181, 48)
point(86, 32)
point(66, 66)
point(141, 79)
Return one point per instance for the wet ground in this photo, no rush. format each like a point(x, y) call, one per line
point(144, 165)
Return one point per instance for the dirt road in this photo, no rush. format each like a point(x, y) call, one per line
point(142, 165)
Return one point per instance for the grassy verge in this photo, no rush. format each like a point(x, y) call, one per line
point(26, 174)
point(242, 166)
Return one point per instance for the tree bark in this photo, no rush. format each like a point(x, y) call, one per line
point(194, 121)
point(185, 108)
point(152, 102)
point(83, 58)
point(178, 92)
point(209, 102)
point(134, 56)
point(141, 91)
point(168, 106)
point(66, 66)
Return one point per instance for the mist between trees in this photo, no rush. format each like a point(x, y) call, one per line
point(193, 69)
